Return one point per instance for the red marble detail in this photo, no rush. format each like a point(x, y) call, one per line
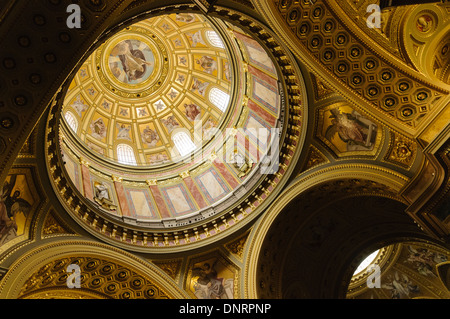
point(122, 199)
point(266, 116)
point(222, 169)
point(159, 200)
point(193, 189)
point(263, 76)
point(87, 187)
point(251, 148)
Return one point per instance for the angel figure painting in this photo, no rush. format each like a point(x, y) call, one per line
point(208, 283)
point(79, 106)
point(15, 205)
point(207, 63)
point(196, 38)
point(131, 61)
point(400, 286)
point(170, 123)
point(149, 137)
point(348, 130)
point(123, 131)
point(193, 112)
point(424, 260)
point(210, 128)
point(98, 128)
point(199, 86)
point(185, 17)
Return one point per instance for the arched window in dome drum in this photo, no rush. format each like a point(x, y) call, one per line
point(72, 121)
point(219, 98)
point(125, 154)
point(183, 143)
point(214, 39)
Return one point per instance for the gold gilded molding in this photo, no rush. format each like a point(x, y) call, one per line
point(100, 264)
point(402, 151)
point(303, 182)
point(352, 65)
point(237, 246)
point(170, 267)
point(321, 89)
point(314, 158)
point(53, 226)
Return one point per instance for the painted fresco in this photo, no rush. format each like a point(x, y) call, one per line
point(409, 272)
point(123, 131)
point(98, 128)
point(132, 90)
point(131, 61)
point(206, 64)
point(149, 135)
point(424, 260)
point(16, 204)
point(212, 278)
point(79, 105)
point(121, 114)
point(345, 130)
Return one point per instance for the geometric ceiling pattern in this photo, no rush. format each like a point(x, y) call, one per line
point(119, 132)
point(156, 76)
point(321, 32)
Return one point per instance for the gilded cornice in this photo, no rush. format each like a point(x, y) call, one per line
point(27, 265)
point(389, 178)
point(351, 64)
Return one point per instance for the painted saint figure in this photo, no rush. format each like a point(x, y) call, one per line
point(98, 128)
point(353, 129)
point(10, 209)
point(79, 106)
point(207, 63)
point(170, 123)
point(185, 17)
point(192, 111)
point(209, 285)
point(149, 136)
point(124, 131)
point(133, 61)
point(196, 38)
point(199, 86)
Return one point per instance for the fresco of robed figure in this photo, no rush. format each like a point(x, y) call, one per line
point(210, 283)
point(131, 61)
point(348, 130)
point(15, 206)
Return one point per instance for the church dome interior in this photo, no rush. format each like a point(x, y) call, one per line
point(242, 149)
